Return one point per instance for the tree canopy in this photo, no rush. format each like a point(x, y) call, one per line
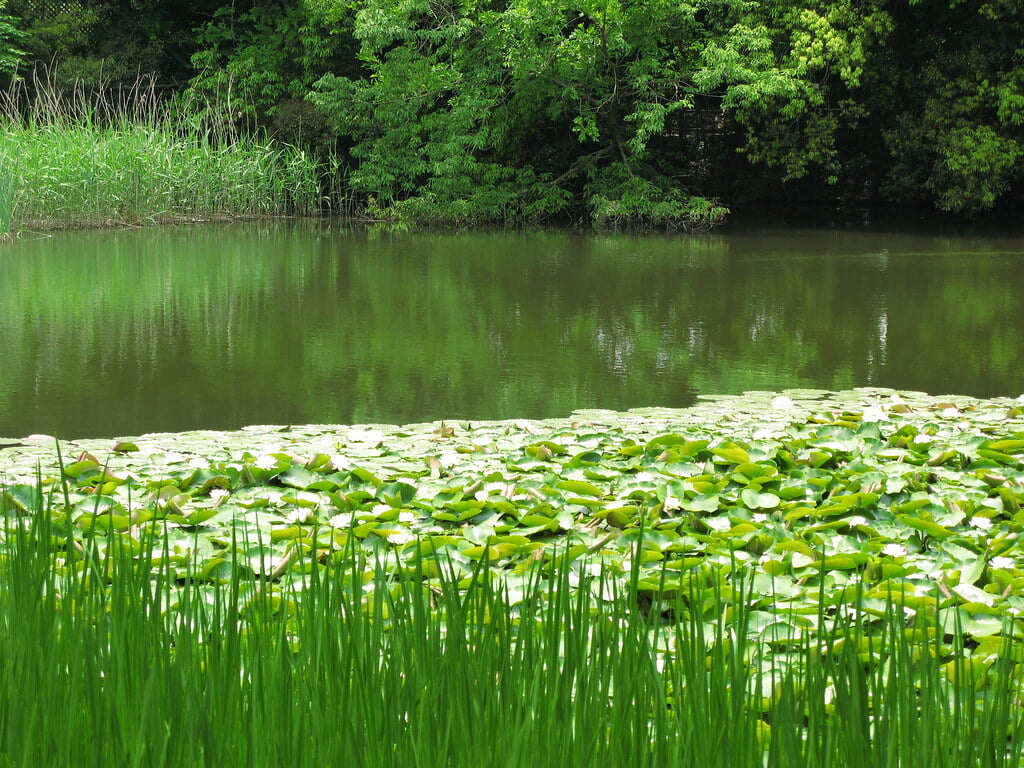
point(660, 112)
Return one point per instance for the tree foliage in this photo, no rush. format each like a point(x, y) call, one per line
point(10, 53)
point(523, 109)
point(957, 71)
point(620, 112)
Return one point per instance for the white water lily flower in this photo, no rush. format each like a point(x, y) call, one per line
point(449, 459)
point(982, 523)
point(342, 520)
point(265, 462)
point(672, 503)
point(400, 537)
point(365, 435)
point(873, 413)
point(301, 516)
point(950, 412)
point(782, 402)
point(857, 520)
point(1002, 562)
point(894, 550)
point(405, 516)
point(217, 495)
point(922, 437)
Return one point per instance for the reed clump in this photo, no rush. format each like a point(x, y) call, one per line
point(127, 156)
point(110, 655)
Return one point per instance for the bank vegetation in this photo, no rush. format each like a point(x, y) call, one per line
point(616, 113)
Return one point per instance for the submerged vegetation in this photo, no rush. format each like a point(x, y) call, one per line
point(802, 579)
point(125, 157)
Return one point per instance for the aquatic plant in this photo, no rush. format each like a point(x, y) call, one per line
point(802, 579)
point(127, 157)
point(125, 657)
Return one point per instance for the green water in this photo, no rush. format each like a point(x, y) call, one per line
point(121, 332)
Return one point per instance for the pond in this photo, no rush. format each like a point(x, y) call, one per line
point(107, 333)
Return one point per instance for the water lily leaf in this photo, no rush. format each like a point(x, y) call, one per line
point(366, 477)
point(290, 532)
point(973, 568)
point(973, 594)
point(298, 477)
point(195, 517)
point(1010, 501)
point(702, 503)
point(759, 500)
point(580, 487)
point(319, 462)
point(585, 459)
point(304, 499)
point(997, 456)
point(79, 468)
point(209, 480)
point(842, 562)
point(795, 545)
point(731, 454)
point(97, 504)
point(983, 626)
point(459, 511)
point(217, 569)
point(663, 442)
point(104, 522)
point(619, 517)
point(20, 498)
point(397, 494)
point(753, 472)
point(1007, 446)
point(544, 450)
point(926, 526)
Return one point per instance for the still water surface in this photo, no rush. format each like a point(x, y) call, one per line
point(218, 326)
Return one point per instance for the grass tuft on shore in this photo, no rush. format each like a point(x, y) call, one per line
point(102, 158)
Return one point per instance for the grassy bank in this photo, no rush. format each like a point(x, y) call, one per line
point(101, 159)
point(804, 579)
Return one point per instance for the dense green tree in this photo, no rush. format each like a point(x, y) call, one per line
point(519, 109)
point(10, 53)
point(957, 72)
point(497, 110)
point(825, 46)
point(616, 111)
point(89, 42)
point(270, 52)
point(928, 106)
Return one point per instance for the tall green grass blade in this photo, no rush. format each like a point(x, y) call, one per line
point(110, 653)
point(103, 157)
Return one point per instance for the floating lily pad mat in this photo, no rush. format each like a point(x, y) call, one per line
point(879, 497)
